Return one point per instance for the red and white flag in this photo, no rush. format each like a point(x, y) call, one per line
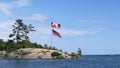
point(56, 33)
point(53, 25)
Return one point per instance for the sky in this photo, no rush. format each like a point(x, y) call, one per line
point(91, 25)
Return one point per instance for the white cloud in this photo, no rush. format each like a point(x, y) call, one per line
point(6, 7)
point(5, 29)
point(20, 3)
point(74, 32)
point(90, 21)
point(45, 32)
point(44, 35)
point(37, 17)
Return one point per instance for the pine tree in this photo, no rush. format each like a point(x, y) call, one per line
point(20, 31)
point(79, 52)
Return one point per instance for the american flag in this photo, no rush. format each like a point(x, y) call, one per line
point(56, 33)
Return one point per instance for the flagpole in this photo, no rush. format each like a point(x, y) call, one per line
point(51, 40)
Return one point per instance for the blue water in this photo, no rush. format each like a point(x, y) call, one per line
point(83, 62)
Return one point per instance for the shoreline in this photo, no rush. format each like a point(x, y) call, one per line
point(33, 53)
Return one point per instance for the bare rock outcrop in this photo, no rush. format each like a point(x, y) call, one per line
point(35, 53)
point(3, 54)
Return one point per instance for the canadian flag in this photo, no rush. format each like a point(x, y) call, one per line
point(53, 25)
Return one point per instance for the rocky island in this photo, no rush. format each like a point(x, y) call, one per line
point(19, 46)
point(35, 53)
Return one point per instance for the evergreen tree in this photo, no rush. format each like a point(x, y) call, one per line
point(79, 52)
point(20, 31)
point(2, 45)
point(46, 46)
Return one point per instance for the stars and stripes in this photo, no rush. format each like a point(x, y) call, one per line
point(56, 33)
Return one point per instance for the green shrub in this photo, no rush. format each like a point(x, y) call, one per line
point(54, 54)
point(74, 55)
point(59, 57)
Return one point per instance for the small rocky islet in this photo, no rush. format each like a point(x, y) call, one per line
point(34, 53)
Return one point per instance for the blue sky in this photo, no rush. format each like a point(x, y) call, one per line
point(92, 25)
